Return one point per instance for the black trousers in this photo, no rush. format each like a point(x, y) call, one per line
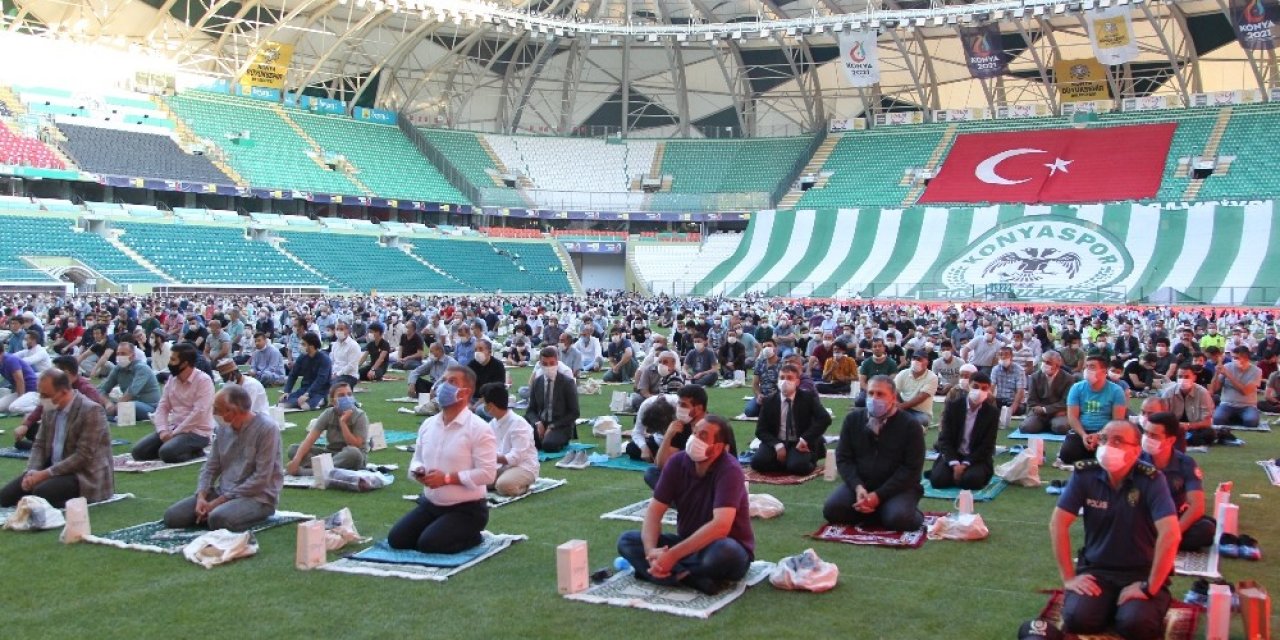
point(1135, 619)
point(797, 463)
point(556, 439)
point(1073, 449)
point(377, 373)
point(898, 513)
point(57, 490)
point(975, 476)
point(430, 528)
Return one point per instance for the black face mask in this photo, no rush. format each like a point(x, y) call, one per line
point(175, 369)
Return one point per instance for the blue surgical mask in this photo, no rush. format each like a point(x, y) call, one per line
point(446, 394)
point(346, 403)
point(877, 407)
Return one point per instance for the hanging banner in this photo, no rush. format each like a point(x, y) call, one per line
point(269, 66)
point(1111, 34)
point(1255, 23)
point(1081, 80)
point(983, 50)
point(858, 57)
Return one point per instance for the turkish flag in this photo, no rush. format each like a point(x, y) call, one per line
point(1054, 166)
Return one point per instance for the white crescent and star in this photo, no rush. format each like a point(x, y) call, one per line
point(986, 170)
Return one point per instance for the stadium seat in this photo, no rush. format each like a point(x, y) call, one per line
point(51, 236)
point(359, 263)
point(199, 254)
point(139, 155)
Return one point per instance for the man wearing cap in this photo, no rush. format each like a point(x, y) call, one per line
point(231, 374)
point(916, 386)
point(1238, 381)
point(1120, 578)
point(967, 442)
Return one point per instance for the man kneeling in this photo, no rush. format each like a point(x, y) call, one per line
point(455, 458)
point(880, 458)
point(345, 428)
point(240, 482)
point(967, 443)
point(1131, 535)
point(713, 543)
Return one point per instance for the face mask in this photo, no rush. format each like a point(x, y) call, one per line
point(664, 370)
point(839, 355)
point(1005, 362)
point(1186, 385)
point(1197, 368)
point(1111, 458)
point(446, 394)
point(733, 340)
point(48, 405)
point(963, 383)
point(617, 339)
point(917, 368)
point(549, 372)
point(696, 449)
point(346, 403)
point(1102, 344)
point(682, 414)
point(124, 361)
point(766, 353)
point(977, 396)
point(700, 346)
point(175, 369)
point(1113, 375)
point(787, 387)
point(1151, 445)
point(877, 407)
point(1162, 350)
point(946, 355)
point(340, 335)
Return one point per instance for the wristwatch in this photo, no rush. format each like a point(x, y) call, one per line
point(1146, 589)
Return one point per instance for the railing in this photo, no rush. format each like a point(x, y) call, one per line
point(628, 201)
point(793, 174)
point(936, 291)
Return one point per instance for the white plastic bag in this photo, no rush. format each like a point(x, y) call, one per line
point(1021, 470)
point(589, 387)
point(340, 530)
point(34, 513)
point(765, 506)
point(959, 526)
point(805, 572)
point(603, 425)
point(220, 547)
point(357, 481)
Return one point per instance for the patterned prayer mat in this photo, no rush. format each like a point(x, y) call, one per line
point(1273, 471)
point(382, 561)
point(156, 538)
point(6, 512)
point(1180, 620)
point(540, 485)
point(1263, 427)
point(985, 494)
point(625, 590)
point(125, 463)
point(1198, 563)
point(635, 513)
point(309, 482)
point(875, 535)
point(755, 477)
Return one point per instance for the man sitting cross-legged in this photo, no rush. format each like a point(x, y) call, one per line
point(713, 544)
point(880, 458)
point(790, 428)
point(240, 483)
point(967, 442)
point(517, 454)
point(136, 381)
point(346, 430)
point(1047, 397)
point(71, 456)
point(455, 458)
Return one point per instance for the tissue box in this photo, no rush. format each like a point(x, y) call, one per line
point(572, 572)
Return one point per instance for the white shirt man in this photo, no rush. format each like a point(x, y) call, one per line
point(35, 355)
point(344, 352)
point(517, 453)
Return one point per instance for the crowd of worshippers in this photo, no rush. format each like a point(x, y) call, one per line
point(167, 356)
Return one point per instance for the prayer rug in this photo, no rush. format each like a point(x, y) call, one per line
point(125, 463)
point(875, 535)
point(6, 512)
point(1180, 620)
point(1262, 427)
point(540, 485)
point(393, 437)
point(403, 400)
point(154, 537)
point(383, 561)
point(625, 590)
point(755, 477)
point(17, 454)
point(544, 456)
point(635, 513)
point(623, 462)
point(1048, 436)
point(1272, 470)
point(986, 494)
point(1198, 563)
point(309, 482)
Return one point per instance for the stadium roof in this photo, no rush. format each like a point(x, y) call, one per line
point(667, 67)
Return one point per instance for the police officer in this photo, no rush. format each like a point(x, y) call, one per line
point(1131, 536)
point(1186, 480)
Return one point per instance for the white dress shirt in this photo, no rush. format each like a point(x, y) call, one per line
point(37, 357)
point(465, 447)
point(257, 394)
point(515, 442)
point(345, 356)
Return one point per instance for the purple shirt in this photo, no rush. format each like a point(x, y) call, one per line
point(695, 498)
point(10, 367)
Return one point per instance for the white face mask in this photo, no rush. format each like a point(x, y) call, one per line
point(482, 357)
point(1006, 363)
point(977, 396)
point(549, 372)
point(766, 353)
point(946, 355)
point(124, 361)
point(340, 335)
point(696, 449)
point(1185, 384)
point(682, 414)
point(733, 339)
point(787, 387)
point(1151, 446)
point(963, 383)
point(664, 370)
point(917, 368)
point(48, 405)
point(1111, 458)
point(699, 345)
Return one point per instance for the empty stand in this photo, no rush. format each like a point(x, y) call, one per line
point(57, 237)
point(360, 263)
point(213, 255)
point(17, 149)
point(136, 154)
point(510, 267)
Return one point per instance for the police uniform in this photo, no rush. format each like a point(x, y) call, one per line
point(1119, 548)
point(1184, 475)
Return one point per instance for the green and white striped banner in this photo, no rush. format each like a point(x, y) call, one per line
point(1209, 253)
